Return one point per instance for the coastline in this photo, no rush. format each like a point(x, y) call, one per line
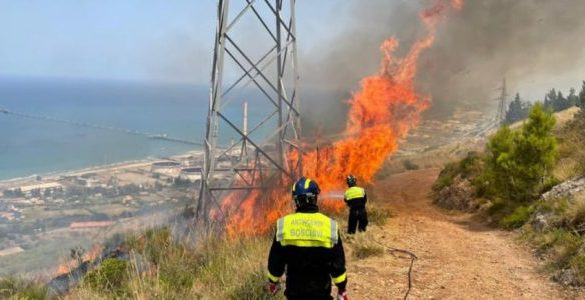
point(123, 165)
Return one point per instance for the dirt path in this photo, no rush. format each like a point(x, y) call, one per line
point(459, 258)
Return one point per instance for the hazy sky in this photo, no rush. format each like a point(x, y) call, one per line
point(129, 39)
point(164, 40)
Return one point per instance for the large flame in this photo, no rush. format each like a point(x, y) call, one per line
point(385, 108)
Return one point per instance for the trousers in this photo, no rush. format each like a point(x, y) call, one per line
point(358, 217)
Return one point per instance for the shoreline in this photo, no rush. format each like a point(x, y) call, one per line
point(128, 164)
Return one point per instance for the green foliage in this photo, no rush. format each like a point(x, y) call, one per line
point(252, 287)
point(409, 165)
point(517, 110)
point(468, 168)
point(555, 101)
point(176, 263)
point(110, 277)
point(13, 288)
point(518, 218)
point(517, 162)
point(582, 96)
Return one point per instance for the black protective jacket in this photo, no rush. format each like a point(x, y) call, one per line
point(308, 269)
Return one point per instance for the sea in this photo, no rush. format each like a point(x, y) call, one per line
point(30, 147)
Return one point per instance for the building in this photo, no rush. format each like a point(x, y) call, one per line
point(191, 174)
point(167, 168)
point(27, 190)
point(91, 224)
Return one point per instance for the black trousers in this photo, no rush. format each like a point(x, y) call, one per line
point(358, 217)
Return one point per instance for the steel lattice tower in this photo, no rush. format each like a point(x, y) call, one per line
point(261, 70)
point(502, 102)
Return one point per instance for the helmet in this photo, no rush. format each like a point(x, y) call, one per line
point(305, 191)
point(351, 180)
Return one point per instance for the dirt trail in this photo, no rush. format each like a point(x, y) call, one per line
point(458, 258)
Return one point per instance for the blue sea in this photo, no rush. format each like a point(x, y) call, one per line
point(38, 147)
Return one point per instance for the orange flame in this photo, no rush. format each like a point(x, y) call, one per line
point(385, 108)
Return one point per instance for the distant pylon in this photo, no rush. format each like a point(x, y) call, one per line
point(262, 70)
point(502, 102)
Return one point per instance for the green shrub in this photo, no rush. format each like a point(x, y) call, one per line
point(468, 168)
point(577, 263)
point(109, 277)
point(497, 206)
point(518, 218)
point(253, 288)
point(12, 288)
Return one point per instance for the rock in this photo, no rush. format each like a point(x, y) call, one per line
point(567, 189)
point(540, 221)
point(567, 277)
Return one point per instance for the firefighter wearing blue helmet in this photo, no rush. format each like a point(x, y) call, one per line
point(355, 197)
point(308, 246)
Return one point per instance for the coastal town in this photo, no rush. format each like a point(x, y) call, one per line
point(55, 213)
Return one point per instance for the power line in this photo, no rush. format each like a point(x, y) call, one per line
point(157, 136)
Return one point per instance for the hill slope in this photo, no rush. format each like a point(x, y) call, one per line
point(459, 258)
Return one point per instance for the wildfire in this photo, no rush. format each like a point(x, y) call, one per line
point(385, 108)
point(70, 264)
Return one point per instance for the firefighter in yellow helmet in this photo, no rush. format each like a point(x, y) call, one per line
point(308, 246)
point(355, 197)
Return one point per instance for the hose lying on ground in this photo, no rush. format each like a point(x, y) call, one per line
point(413, 257)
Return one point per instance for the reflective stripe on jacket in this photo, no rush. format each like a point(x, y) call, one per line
point(307, 230)
point(308, 246)
point(354, 192)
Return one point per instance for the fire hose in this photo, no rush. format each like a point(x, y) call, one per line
point(412, 256)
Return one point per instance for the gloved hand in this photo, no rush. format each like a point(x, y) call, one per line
point(342, 295)
point(272, 287)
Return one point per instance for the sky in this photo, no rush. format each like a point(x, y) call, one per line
point(131, 39)
point(172, 41)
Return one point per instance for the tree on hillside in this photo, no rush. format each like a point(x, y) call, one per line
point(517, 110)
point(499, 153)
point(582, 96)
point(550, 99)
point(517, 162)
point(573, 99)
point(535, 151)
point(561, 102)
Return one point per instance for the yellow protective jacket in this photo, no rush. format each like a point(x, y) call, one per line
point(308, 244)
point(355, 197)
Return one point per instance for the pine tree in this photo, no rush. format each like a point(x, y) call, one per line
point(550, 99)
point(517, 110)
point(582, 96)
point(573, 99)
point(561, 102)
point(514, 112)
point(518, 161)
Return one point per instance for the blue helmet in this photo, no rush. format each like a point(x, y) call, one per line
point(305, 191)
point(351, 180)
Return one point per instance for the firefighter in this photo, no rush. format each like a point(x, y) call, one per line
point(307, 244)
point(355, 198)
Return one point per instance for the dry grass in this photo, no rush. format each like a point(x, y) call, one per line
point(362, 245)
point(162, 268)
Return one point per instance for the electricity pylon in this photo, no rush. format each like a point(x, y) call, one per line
point(502, 101)
point(254, 60)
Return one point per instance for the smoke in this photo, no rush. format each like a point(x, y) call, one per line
point(473, 51)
